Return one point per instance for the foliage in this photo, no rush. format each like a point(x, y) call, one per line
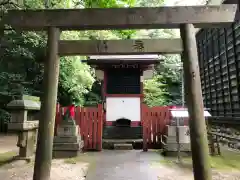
point(165, 87)
point(108, 4)
point(75, 80)
point(94, 96)
point(149, 3)
point(122, 34)
point(171, 72)
point(155, 91)
point(20, 67)
point(4, 116)
point(166, 83)
point(20, 70)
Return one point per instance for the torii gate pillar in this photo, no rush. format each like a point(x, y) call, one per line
point(198, 132)
point(43, 157)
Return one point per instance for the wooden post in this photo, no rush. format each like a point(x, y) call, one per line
point(211, 143)
point(183, 82)
point(1, 39)
point(43, 158)
point(145, 126)
point(100, 127)
point(198, 132)
point(178, 140)
point(218, 146)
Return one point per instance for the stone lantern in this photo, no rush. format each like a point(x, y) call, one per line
point(25, 123)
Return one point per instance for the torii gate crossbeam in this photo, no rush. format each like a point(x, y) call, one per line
point(120, 47)
point(121, 18)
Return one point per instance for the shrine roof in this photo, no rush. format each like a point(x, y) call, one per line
point(126, 57)
point(109, 59)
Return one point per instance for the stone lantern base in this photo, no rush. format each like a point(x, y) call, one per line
point(170, 142)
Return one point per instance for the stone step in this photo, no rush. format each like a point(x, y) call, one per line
point(123, 146)
point(66, 139)
point(113, 132)
point(68, 146)
point(109, 143)
point(123, 141)
point(174, 147)
point(173, 139)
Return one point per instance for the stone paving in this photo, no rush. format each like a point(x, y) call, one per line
point(138, 165)
point(132, 165)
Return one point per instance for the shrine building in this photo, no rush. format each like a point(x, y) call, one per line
point(122, 92)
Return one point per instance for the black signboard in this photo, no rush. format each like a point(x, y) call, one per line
point(123, 81)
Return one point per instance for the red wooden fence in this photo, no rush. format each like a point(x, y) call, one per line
point(90, 121)
point(154, 121)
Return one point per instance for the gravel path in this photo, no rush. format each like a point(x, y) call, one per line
point(112, 165)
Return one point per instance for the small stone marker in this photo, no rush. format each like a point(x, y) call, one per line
point(68, 142)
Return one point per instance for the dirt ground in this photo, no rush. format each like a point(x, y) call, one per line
point(20, 170)
point(60, 171)
point(106, 165)
point(8, 143)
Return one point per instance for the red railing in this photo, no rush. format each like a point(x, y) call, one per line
point(154, 121)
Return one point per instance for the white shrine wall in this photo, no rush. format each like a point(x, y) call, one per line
point(123, 107)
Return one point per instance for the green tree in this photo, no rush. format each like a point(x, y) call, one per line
point(155, 92)
point(171, 72)
point(21, 69)
point(75, 80)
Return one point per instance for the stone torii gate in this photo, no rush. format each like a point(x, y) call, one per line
point(185, 18)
